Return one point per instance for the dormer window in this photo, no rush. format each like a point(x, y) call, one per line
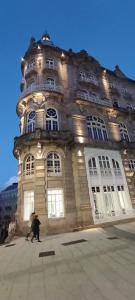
point(50, 62)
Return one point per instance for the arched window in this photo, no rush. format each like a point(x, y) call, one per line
point(104, 165)
point(116, 167)
point(53, 164)
point(96, 128)
point(31, 117)
point(92, 166)
point(29, 165)
point(51, 119)
point(50, 81)
point(123, 132)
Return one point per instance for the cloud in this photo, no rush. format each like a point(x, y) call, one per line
point(11, 180)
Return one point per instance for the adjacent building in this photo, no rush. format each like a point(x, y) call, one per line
point(76, 148)
point(8, 203)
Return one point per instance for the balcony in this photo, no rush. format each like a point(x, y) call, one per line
point(126, 108)
point(48, 66)
point(61, 137)
point(42, 87)
point(93, 98)
point(90, 79)
point(31, 69)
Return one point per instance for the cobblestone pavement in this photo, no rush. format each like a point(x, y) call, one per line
point(94, 268)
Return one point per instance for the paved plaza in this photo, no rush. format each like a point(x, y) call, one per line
point(98, 265)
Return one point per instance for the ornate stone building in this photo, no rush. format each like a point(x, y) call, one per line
point(76, 149)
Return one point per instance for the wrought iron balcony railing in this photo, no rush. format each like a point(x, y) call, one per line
point(42, 87)
point(94, 99)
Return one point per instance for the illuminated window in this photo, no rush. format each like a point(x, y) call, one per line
point(116, 167)
point(124, 132)
point(31, 117)
point(92, 166)
point(104, 165)
point(51, 120)
point(29, 165)
point(55, 203)
point(53, 164)
point(28, 204)
point(131, 163)
point(96, 128)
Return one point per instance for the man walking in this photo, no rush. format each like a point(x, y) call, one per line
point(35, 228)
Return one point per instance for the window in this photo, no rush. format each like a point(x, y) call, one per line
point(131, 164)
point(29, 165)
point(124, 132)
point(8, 208)
point(92, 78)
point(30, 83)
point(28, 204)
point(116, 167)
point(55, 204)
point(50, 81)
point(83, 94)
point(31, 118)
point(122, 198)
point(51, 119)
point(96, 128)
point(50, 63)
point(53, 164)
point(82, 75)
point(104, 164)
point(115, 104)
point(31, 64)
point(109, 200)
point(92, 166)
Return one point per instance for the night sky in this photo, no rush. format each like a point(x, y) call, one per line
point(104, 28)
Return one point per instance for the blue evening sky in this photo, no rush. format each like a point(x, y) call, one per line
point(105, 28)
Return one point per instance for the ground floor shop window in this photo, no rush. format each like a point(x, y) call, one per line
point(107, 184)
point(28, 204)
point(55, 203)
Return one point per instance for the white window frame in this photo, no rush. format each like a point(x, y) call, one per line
point(49, 62)
point(116, 167)
point(52, 123)
point(29, 165)
point(31, 122)
point(50, 82)
point(55, 205)
point(55, 168)
point(96, 128)
point(28, 204)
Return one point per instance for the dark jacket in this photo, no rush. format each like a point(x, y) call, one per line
point(35, 225)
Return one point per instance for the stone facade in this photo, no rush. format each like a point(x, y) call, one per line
point(70, 108)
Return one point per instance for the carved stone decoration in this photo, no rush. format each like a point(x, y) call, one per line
point(39, 151)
